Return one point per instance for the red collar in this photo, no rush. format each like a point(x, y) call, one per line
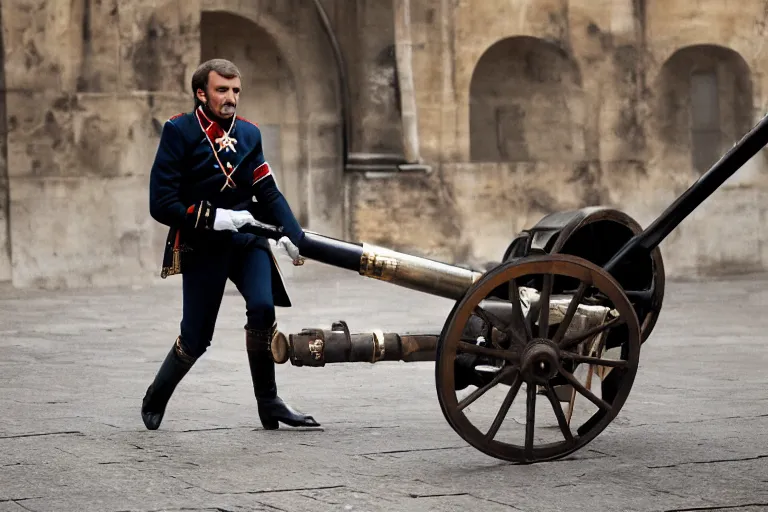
point(211, 128)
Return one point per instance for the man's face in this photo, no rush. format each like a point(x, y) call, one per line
point(222, 95)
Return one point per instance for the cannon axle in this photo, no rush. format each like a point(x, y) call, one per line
point(540, 361)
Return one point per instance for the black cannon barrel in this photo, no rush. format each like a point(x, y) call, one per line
point(324, 249)
point(331, 251)
point(413, 272)
point(689, 200)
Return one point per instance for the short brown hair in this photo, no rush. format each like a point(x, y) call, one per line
point(225, 68)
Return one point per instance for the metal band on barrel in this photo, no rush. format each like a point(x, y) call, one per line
point(378, 346)
point(416, 273)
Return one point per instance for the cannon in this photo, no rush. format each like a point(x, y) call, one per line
point(575, 295)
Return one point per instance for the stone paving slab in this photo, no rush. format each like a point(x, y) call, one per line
point(74, 366)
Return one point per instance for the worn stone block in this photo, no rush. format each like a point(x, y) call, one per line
point(454, 146)
point(429, 73)
point(5, 241)
point(427, 19)
point(42, 134)
point(323, 98)
point(289, 12)
point(80, 135)
point(62, 46)
point(159, 44)
point(324, 179)
point(710, 23)
point(99, 46)
point(324, 144)
point(325, 202)
point(87, 231)
point(283, 146)
point(480, 25)
point(725, 235)
point(497, 201)
point(412, 213)
point(40, 45)
point(431, 123)
point(264, 102)
point(622, 135)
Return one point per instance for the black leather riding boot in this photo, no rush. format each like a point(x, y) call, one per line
point(272, 409)
point(173, 369)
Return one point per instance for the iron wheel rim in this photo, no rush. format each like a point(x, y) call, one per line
point(462, 311)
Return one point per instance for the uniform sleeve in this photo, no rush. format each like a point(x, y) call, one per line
point(165, 206)
point(266, 192)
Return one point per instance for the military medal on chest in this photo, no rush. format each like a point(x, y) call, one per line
point(225, 143)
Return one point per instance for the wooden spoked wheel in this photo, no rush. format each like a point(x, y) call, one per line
point(525, 328)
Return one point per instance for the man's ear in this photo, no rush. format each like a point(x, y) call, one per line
point(201, 96)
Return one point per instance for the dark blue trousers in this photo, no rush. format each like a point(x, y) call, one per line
point(238, 257)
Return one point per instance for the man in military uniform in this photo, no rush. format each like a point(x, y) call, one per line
point(209, 179)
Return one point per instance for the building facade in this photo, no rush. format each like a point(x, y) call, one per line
point(436, 127)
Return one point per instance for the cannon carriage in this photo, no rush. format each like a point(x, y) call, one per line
point(576, 294)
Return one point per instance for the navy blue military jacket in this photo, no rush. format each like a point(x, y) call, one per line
point(199, 167)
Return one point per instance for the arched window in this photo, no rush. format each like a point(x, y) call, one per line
point(523, 97)
point(706, 103)
point(705, 120)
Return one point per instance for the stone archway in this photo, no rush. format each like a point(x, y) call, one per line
point(704, 105)
point(293, 95)
point(525, 103)
point(269, 96)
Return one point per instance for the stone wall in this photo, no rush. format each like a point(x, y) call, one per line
point(531, 107)
point(5, 220)
point(88, 87)
point(522, 108)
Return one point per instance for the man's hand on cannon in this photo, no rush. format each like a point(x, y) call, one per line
point(232, 220)
point(293, 251)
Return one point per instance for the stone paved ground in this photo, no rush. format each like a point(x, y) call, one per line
point(74, 367)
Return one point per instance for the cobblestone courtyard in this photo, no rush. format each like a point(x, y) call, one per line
point(74, 366)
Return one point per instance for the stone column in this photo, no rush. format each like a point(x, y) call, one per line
point(375, 102)
point(405, 80)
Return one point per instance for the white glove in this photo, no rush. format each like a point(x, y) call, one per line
point(293, 251)
point(231, 220)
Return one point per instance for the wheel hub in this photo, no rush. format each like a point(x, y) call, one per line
point(540, 361)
